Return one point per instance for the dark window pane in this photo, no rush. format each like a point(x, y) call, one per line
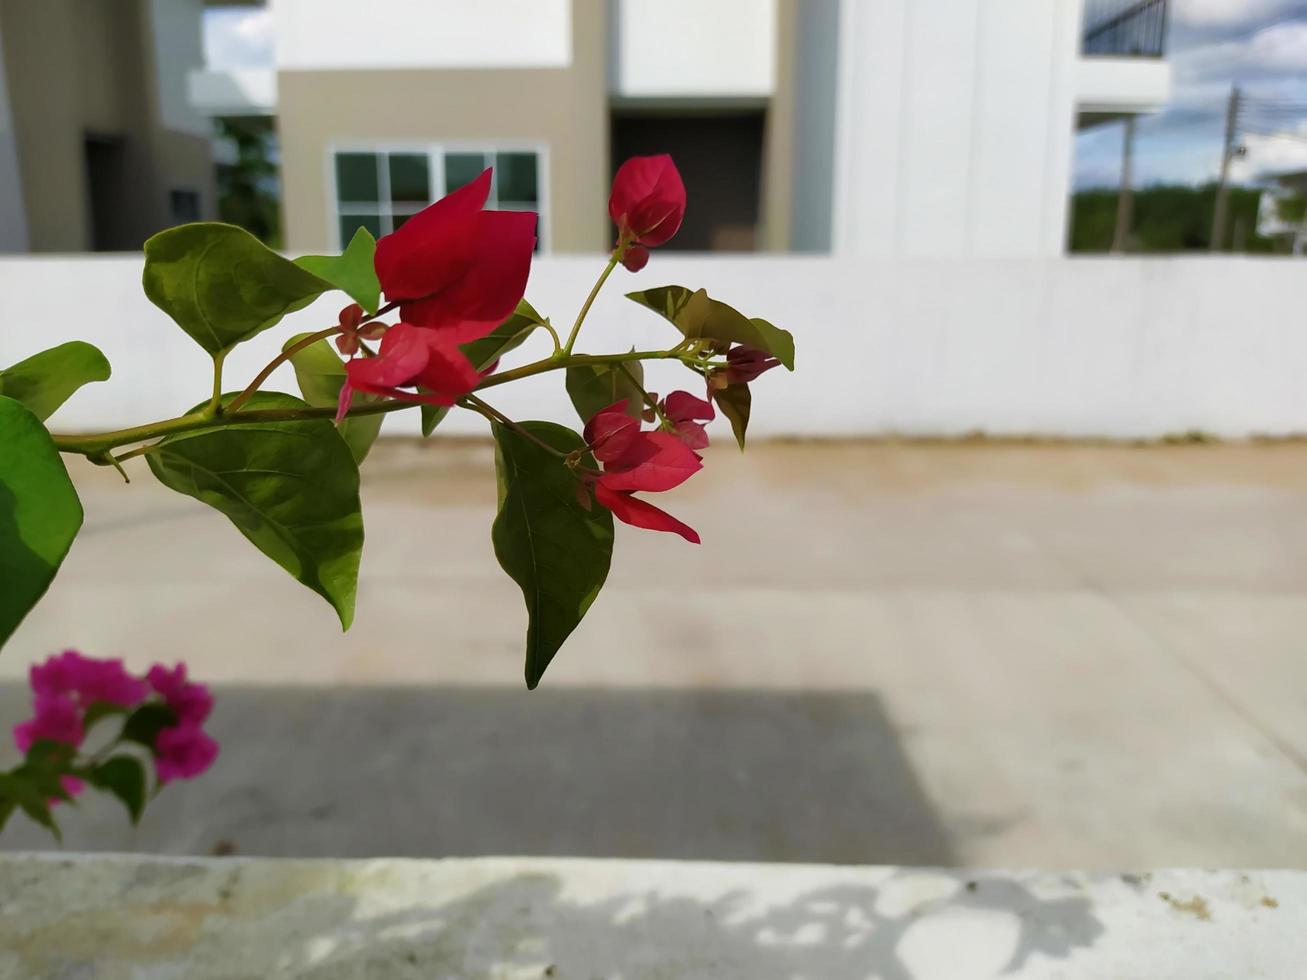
point(462, 169)
point(350, 223)
point(399, 219)
point(515, 174)
point(408, 178)
point(356, 177)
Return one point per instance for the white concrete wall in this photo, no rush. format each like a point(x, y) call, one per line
point(954, 127)
point(689, 48)
point(178, 46)
point(13, 215)
point(347, 34)
point(1122, 84)
point(1085, 347)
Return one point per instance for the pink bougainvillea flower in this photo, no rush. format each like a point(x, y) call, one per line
point(743, 364)
point(687, 415)
point(411, 356)
point(88, 680)
point(190, 702)
point(648, 201)
point(183, 752)
point(347, 341)
point(455, 267)
point(638, 461)
point(57, 718)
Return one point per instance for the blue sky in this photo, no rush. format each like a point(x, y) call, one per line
point(1261, 45)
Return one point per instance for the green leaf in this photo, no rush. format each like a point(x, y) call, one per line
point(352, 271)
point(18, 791)
point(595, 386)
point(39, 513)
point(292, 488)
point(45, 381)
point(321, 374)
point(698, 316)
point(124, 777)
point(99, 710)
point(485, 351)
point(143, 725)
point(553, 548)
point(222, 285)
point(734, 402)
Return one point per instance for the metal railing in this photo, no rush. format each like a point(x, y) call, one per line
point(1125, 28)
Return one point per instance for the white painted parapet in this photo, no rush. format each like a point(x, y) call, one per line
point(1102, 347)
point(136, 917)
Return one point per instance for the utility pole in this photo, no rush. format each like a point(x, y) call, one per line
point(1125, 201)
point(1220, 218)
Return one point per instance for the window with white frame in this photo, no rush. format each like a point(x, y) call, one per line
point(381, 188)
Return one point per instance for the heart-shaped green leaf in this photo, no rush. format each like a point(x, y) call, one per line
point(596, 386)
point(484, 352)
point(39, 513)
point(321, 374)
point(222, 285)
point(46, 380)
point(700, 317)
point(734, 402)
point(555, 549)
point(352, 271)
point(292, 488)
point(124, 777)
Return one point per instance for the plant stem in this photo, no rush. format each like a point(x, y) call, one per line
point(234, 405)
point(215, 402)
point(589, 300)
point(475, 404)
point(94, 444)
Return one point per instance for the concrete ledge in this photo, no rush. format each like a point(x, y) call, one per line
point(119, 917)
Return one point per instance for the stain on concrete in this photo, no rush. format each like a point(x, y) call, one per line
point(1196, 906)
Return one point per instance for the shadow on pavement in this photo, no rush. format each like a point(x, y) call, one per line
point(440, 772)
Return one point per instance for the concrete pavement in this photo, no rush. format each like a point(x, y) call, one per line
point(1054, 656)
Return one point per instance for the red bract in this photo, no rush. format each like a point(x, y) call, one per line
point(458, 268)
point(634, 461)
point(87, 680)
point(57, 718)
point(183, 752)
point(687, 414)
point(743, 364)
point(648, 200)
point(348, 340)
point(411, 356)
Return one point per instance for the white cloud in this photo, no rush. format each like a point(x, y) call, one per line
point(238, 37)
point(1230, 13)
point(1271, 155)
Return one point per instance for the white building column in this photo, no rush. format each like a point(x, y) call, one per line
point(954, 127)
point(13, 215)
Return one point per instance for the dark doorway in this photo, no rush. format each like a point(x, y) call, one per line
point(720, 157)
point(106, 185)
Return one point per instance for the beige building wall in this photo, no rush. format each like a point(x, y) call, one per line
point(566, 109)
point(78, 69)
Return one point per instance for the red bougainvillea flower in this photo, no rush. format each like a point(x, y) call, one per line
point(635, 258)
point(687, 415)
point(743, 364)
point(455, 267)
point(638, 461)
point(189, 701)
point(647, 203)
point(87, 680)
point(347, 341)
point(56, 718)
point(183, 752)
point(411, 356)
